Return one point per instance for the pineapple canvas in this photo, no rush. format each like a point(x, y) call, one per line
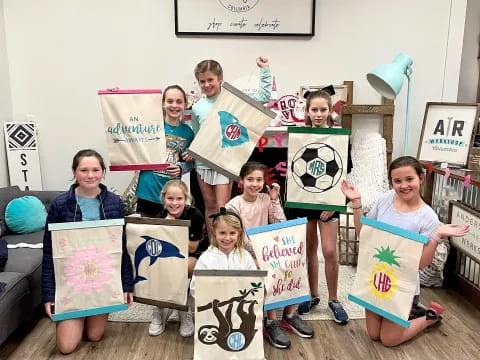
point(386, 278)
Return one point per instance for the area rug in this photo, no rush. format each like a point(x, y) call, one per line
point(143, 313)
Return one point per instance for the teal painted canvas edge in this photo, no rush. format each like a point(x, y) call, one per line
point(85, 224)
point(377, 310)
point(394, 230)
point(283, 303)
point(276, 226)
point(299, 205)
point(89, 312)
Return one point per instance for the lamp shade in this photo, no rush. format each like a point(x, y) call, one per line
point(387, 79)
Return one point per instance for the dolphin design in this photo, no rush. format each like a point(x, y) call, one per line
point(153, 248)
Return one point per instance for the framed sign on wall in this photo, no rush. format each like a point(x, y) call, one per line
point(460, 215)
point(245, 17)
point(447, 132)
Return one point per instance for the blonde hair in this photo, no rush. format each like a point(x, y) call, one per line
point(322, 94)
point(233, 219)
point(175, 183)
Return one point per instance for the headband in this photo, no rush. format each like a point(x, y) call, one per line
point(224, 212)
point(328, 89)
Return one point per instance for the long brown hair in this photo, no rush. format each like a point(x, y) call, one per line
point(322, 94)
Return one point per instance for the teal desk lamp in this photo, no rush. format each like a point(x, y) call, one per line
point(387, 79)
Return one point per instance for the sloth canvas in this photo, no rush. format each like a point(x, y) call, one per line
point(228, 314)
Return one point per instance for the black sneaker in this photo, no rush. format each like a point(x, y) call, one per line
point(296, 325)
point(275, 334)
point(339, 314)
point(307, 306)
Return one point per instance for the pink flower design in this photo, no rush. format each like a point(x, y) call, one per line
point(63, 242)
point(89, 269)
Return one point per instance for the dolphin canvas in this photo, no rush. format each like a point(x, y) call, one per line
point(159, 252)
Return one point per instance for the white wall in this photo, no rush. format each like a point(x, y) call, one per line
point(5, 99)
point(61, 52)
point(468, 84)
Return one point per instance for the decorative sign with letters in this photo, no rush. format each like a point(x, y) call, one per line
point(22, 154)
point(463, 215)
point(387, 270)
point(317, 164)
point(245, 17)
point(447, 132)
point(230, 132)
point(280, 249)
point(159, 252)
point(228, 314)
point(87, 257)
point(134, 129)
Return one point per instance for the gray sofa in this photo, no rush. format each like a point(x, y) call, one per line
point(22, 274)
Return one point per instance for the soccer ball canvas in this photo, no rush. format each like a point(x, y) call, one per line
point(317, 164)
point(317, 167)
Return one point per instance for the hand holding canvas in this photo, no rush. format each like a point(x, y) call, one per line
point(273, 191)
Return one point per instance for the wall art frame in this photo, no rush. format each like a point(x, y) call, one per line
point(245, 17)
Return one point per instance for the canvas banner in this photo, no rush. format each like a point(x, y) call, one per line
point(387, 269)
point(159, 252)
point(317, 164)
point(281, 250)
point(87, 258)
point(228, 314)
point(134, 129)
point(230, 132)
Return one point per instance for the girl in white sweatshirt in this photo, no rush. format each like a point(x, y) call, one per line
point(226, 251)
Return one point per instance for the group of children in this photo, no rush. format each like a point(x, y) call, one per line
point(224, 244)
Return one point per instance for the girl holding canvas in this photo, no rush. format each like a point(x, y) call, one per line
point(258, 209)
point(87, 199)
point(215, 187)
point(404, 207)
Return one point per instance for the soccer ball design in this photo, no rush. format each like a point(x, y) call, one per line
point(317, 167)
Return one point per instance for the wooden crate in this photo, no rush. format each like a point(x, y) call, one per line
point(347, 240)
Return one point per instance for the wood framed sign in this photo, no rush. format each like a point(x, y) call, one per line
point(447, 132)
point(245, 17)
point(461, 215)
point(22, 153)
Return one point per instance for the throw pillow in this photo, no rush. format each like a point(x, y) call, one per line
point(26, 214)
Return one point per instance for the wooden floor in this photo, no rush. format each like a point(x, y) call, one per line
point(456, 338)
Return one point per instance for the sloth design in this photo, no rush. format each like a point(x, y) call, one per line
point(224, 335)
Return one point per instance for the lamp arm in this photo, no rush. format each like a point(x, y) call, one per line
point(408, 73)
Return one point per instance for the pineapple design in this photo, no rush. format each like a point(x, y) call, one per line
point(382, 279)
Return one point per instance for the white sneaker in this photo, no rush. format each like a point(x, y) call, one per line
point(175, 317)
point(187, 328)
point(159, 318)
